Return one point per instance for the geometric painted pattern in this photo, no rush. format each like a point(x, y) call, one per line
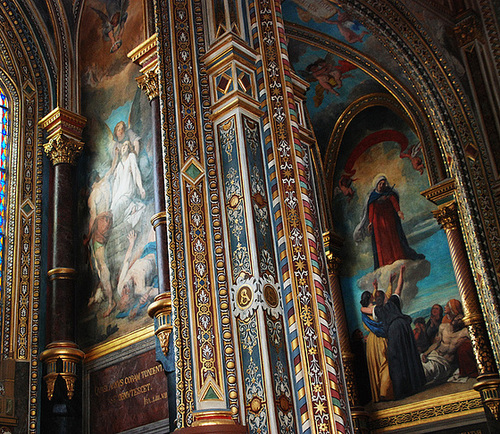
point(321, 398)
point(4, 150)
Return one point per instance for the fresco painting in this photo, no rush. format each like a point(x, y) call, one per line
point(324, 16)
point(404, 313)
point(334, 84)
point(116, 177)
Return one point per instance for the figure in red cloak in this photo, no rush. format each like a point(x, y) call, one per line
point(382, 219)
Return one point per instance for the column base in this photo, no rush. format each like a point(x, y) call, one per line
point(360, 420)
point(213, 422)
point(213, 429)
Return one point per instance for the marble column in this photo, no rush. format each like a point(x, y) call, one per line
point(62, 356)
point(146, 56)
point(488, 380)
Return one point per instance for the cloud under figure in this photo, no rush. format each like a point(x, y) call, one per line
point(415, 271)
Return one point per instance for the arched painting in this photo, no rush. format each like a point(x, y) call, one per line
point(399, 288)
point(116, 180)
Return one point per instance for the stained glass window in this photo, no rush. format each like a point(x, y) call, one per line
point(4, 149)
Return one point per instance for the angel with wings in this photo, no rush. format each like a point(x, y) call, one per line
point(113, 21)
point(328, 75)
point(413, 154)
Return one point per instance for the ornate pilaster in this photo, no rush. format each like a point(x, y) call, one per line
point(257, 303)
point(305, 289)
point(146, 56)
point(62, 356)
point(488, 384)
point(333, 245)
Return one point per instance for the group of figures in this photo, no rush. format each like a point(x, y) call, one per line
point(403, 361)
point(117, 205)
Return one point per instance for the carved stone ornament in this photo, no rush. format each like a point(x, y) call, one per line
point(62, 149)
point(70, 355)
point(447, 216)
point(163, 337)
point(161, 311)
point(148, 83)
point(468, 30)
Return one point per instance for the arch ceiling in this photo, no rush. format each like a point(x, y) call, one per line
point(406, 51)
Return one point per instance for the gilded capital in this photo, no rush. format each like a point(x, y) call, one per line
point(148, 83)
point(146, 55)
point(333, 263)
point(64, 129)
point(63, 149)
point(447, 216)
point(161, 311)
point(61, 359)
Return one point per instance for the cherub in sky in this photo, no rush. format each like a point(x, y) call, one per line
point(328, 75)
point(113, 21)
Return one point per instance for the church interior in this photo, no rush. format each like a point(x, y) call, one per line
point(250, 216)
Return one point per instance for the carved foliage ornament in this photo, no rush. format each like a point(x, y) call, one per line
point(63, 149)
point(447, 216)
point(148, 83)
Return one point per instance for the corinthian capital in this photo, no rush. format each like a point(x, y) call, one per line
point(64, 130)
point(148, 83)
point(146, 56)
point(447, 216)
point(63, 149)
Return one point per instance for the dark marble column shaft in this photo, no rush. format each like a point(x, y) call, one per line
point(61, 284)
point(159, 219)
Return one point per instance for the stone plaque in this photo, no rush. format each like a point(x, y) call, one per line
point(127, 395)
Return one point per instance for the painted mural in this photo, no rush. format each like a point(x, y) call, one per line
point(401, 297)
point(116, 204)
point(399, 290)
point(334, 84)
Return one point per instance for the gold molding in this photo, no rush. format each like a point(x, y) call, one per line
point(442, 408)
point(472, 319)
point(146, 52)
point(212, 417)
point(237, 99)
point(441, 192)
point(159, 219)
point(70, 355)
point(101, 350)
point(146, 56)
point(64, 129)
point(62, 274)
